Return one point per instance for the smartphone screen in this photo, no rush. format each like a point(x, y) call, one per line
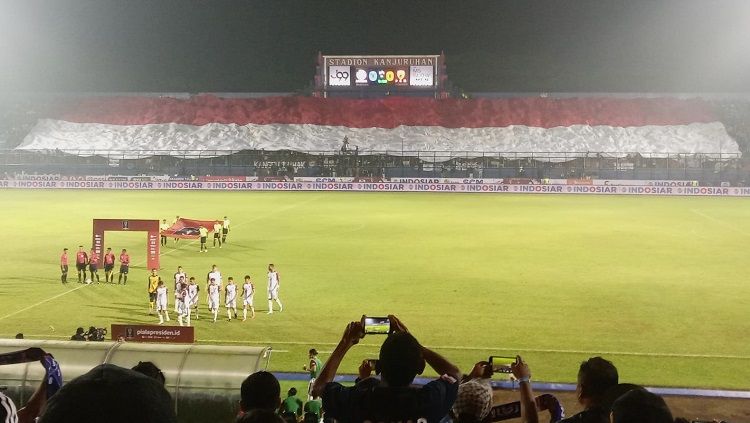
point(501, 364)
point(377, 325)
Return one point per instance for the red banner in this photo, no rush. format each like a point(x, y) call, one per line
point(152, 333)
point(188, 228)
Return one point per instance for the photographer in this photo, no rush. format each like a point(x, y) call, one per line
point(96, 334)
point(80, 335)
point(474, 401)
point(392, 398)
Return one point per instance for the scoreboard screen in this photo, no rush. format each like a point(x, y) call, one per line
point(400, 72)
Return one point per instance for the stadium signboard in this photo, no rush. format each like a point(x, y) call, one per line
point(150, 333)
point(400, 185)
point(381, 72)
point(93, 180)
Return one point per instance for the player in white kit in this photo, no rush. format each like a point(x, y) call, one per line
point(274, 283)
point(179, 277)
point(248, 289)
point(215, 273)
point(213, 297)
point(180, 297)
point(192, 299)
point(161, 302)
point(230, 298)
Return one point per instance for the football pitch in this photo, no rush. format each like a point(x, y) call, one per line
point(657, 285)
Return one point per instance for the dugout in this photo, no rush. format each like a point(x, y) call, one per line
point(204, 380)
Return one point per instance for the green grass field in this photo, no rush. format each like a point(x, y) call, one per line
point(658, 285)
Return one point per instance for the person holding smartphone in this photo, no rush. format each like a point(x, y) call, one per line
point(474, 400)
point(391, 398)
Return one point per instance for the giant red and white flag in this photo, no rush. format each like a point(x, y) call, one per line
point(523, 126)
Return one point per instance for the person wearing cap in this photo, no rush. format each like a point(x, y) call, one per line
point(474, 399)
point(473, 402)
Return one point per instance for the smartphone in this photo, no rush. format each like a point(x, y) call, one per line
point(376, 325)
point(372, 362)
point(501, 364)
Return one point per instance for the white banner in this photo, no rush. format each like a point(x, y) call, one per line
point(429, 143)
point(623, 182)
point(379, 187)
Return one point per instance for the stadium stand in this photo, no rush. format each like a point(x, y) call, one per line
point(108, 392)
point(521, 126)
point(288, 137)
point(736, 118)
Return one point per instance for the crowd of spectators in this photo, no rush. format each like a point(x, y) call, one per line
point(735, 115)
point(383, 392)
point(285, 165)
point(17, 117)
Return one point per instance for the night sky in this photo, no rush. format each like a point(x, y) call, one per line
point(504, 46)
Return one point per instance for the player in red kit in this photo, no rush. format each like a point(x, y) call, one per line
point(124, 266)
point(109, 265)
point(64, 266)
point(94, 265)
point(82, 259)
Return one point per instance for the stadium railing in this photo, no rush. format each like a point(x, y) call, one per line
point(709, 168)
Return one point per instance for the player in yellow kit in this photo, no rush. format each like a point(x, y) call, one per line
point(204, 237)
point(153, 283)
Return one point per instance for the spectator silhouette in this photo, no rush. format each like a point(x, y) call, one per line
point(291, 405)
point(260, 390)
point(260, 415)
point(80, 335)
point(149, 369)
point(110, 394)
point(640, 406)
point(595, 376)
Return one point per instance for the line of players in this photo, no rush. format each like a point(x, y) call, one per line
point(91, 261)
point(186, 294)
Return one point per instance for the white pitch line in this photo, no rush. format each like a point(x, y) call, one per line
point(715, 220)
point(67, 292)
point(42, 302)
point(459, 347)
point(534, 350)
